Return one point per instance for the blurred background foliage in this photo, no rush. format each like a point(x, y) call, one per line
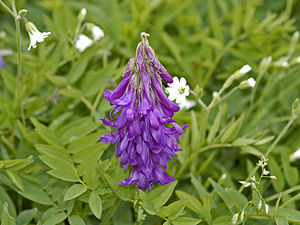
point(53, 170)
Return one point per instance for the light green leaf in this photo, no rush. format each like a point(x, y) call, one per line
point(26, 216)
point(291, 173)
point(6, 218)
point(46, 134)
point(231, 131)
point(186, 221)
point(192, 202)
point(292, 215)
point(15, 179)
point(55, 219)
point(78, 67)
point(215, 126)
point(66, 175)
point(174, 210)
point(275, 170)
point(74, 191)
point(56, 163)
point(198, 187)
point(95, 204)
point(281, 221)
point(4, 197)
point(159, 196)
point(222, 193)
point(76, 220)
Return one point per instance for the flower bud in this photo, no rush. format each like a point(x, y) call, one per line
point(265, 64)
point(247, 83)
point(245, 69)
point(82, 15)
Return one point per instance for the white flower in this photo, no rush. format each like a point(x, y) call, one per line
point(97, 33)
point(251, 82)
point(81, 15)
point(267, 209)
point(186, 104)
point(83, 42)
point(35, 35)
point(295, 155)
point(178, 90)
point(245, 69)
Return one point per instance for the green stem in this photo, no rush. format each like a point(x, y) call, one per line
point(8, 9)
point(200, 101)
point(110, 212)
point(19, 72)
point(214, 103)
point(284, 130)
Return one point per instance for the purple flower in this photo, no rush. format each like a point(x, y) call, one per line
point(143, 131)
point(4, 52)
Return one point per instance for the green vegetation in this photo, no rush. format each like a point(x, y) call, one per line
point(54, 170)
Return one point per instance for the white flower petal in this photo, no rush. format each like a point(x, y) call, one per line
point(182, 81)
point(251, 82)
point(245, 69)
point(83, 42)
point(97, 33)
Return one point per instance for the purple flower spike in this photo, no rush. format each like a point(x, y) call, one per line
point(145, 134)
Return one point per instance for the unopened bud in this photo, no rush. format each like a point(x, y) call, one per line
point(234, 218)
point(82, 15)
point(264, 64)
point(247, 83)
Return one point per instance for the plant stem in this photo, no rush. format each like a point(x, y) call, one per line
point(214, 103)
point(284, 130)
point(200, 101)
point(110, 212)
point(8, 9)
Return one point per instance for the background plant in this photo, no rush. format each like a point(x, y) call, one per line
point(53, 170)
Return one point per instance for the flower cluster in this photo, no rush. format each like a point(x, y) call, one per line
point(143, 131)
point(83, 41)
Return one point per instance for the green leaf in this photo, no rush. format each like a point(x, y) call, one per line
point(292, 215)
point(71, 92)
point(291, 173)
point(74, 191)
point(231, 131)
point(56, 163)
point(76, 220)
point(66, 175)
point(35, 193)
point(199, 187)
point(238, 199)
point(4, 197)
point(215, 126)
point(222, 220)
point(250, 150)
point(26, 216)
point(213, 21)
point(275, 170)
point(55, 219)
point(79, 66)
point(222, 193)
point(15, 179)
point(95, 204)
point(186, 221)
point(192, 202)
point(6, 218)
point(281, 221)
point(46, 134)
point(174, 210)
point(159, 196)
